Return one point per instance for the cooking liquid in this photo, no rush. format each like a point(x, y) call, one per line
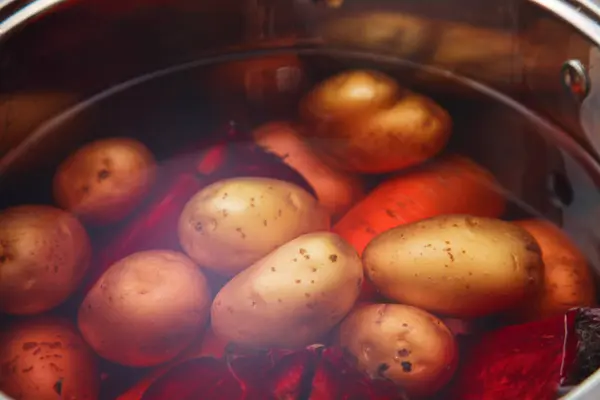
point(543, 174)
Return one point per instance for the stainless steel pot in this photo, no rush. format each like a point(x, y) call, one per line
point(539, 58)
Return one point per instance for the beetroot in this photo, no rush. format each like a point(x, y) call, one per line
point(531, 361)
point(315, 373)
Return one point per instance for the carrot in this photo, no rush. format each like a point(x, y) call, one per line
point(568, 281)
point(336, 190)
point(451, 185)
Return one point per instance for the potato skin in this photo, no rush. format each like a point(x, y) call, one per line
point(105, 180)
point(361, 121)
point(568, 281)
point(348, 93)
point(456, 265)
point(233, 223)
point(336, 190)
point(419, 350)
point(292, 297)
point(46, 359)
point(146, 308)
point(44, 254)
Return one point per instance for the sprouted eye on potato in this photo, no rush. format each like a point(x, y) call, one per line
point(430, 239)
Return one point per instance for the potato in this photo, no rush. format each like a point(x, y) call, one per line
point(21, 113)
point(337, 191)
point(568, 281)
point(146, 308)
point(105, 180)
point(362, 121)
point(402, 343)
point(44, 254)
point(233, 223)
point(456, 265)
point(46, 359)
point(292, 297)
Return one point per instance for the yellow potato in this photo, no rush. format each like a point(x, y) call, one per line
point(44, 254)
point(362, 121)
point(402, 343)
point(292, 297)
point(21, 113)
point(568, 281)
point(456, 265)
point(336, 190)
point(346, 94)
point(146, 308)
point(104, 181)
point(233, 223)
point(46, 359)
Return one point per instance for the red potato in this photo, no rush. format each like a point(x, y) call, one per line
point(568, 281)
point(146, 308)
point(104, 181)
point(46, 359)
point(44, 254)
point(336, 190)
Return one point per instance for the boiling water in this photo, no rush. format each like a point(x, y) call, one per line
point(543, 174)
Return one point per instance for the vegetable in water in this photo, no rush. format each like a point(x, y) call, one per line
point(104, 181)
point(402, 343)
point(44, 254)
point(292, 297)
point(362, 121)
point(336, 190)
point(567, 282)
point(146, 308)
point(46, 359)
point(233, 223)
point(456, 265)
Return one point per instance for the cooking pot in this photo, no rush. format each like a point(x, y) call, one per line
point(520, 78)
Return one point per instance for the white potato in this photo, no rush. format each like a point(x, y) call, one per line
point(233, 223)
point(293, 296)
point(146, 308)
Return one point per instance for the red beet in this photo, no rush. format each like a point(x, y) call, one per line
point(336, 378)
point(201, 378)
point(315, 373)
point(517, 362)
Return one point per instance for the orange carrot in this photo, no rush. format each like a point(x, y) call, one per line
point(451, 185)
point(568, 281)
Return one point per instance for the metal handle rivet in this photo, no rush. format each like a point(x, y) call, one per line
point(575, 79)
